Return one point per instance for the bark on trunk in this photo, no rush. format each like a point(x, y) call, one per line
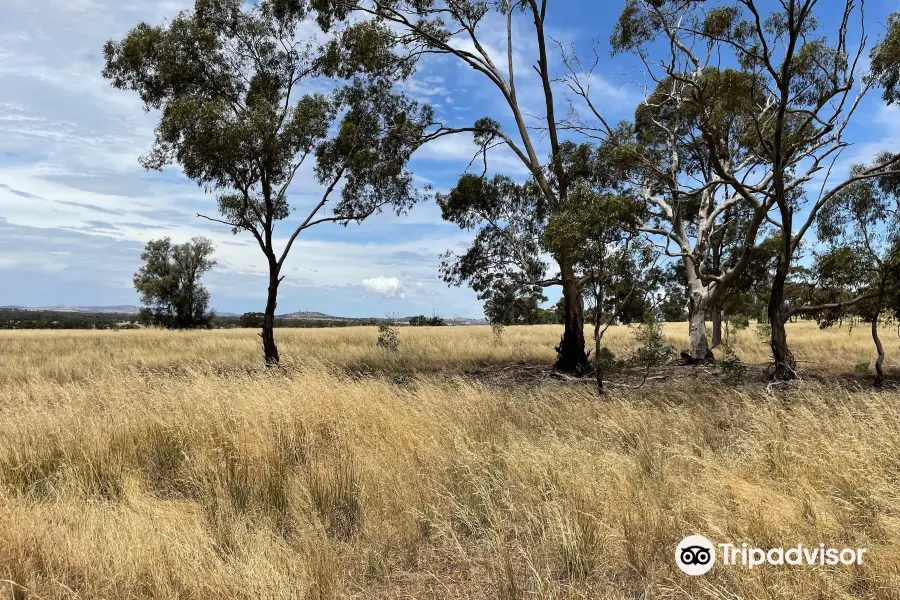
point(717, 328)
point(879, 362)
point(699, 347)
point(571, 356)
point(785, 365)
point(598, 367)
point(270, 350)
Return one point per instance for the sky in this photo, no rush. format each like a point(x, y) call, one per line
point(76, 208)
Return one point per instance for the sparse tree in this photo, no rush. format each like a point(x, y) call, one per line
point(508, 304)
point(169, 283)
point(251, 320)
point(232, 83)
point(861, 267)
point(801, 89)
point(456, 28)
point(598, 229)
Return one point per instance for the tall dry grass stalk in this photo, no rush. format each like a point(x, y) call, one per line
point(171, 465)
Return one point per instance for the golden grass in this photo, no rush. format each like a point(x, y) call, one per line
point(170, 465)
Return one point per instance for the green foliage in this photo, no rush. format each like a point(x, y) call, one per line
point(423, 321)
point(732, 366)
point(885, 61)
point(861, 260)
point(508, 304)
point(738, 322)
point(652, 351)
point(234, 85)
point(169, 282)
point(253, 320)
point(605, 360)
point(505, 252)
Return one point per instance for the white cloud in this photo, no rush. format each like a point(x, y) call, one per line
point(389, 287)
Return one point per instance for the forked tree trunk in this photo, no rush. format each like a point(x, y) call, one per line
point(879, 362)
point(571, 356)
point(785, 364)
point(270, 350)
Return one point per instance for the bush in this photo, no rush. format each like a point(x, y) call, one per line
point(738, 322)
point(388, 337)
point(764, 332)
point(605, 360)
point(732, 366)
point(652, 350)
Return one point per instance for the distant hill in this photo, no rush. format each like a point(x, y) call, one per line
point(129, 309)
point(318, 316)
point(120, 309)
point(313, 316)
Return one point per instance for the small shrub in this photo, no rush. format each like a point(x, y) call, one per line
point(764, 332)
point(738, 322)
point(861, 368)
point(732, 366)
point(652, 350)
point(605, 360)
point(388, 337)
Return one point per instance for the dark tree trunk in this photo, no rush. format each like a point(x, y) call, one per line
point(879, 362)
point(785, 365)
point(270, 350)
point(571, 356)
point(717, 328)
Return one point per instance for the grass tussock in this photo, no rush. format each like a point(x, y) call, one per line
point(169, 465)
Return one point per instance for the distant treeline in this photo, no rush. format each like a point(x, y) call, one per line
point(34, 319)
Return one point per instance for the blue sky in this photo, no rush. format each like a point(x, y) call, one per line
point(76, 208)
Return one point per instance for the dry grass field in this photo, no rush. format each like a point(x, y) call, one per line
point(150, 464)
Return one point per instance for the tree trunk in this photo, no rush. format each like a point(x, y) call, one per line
point(597, 366)
point(571, 356)
point(717, 328)
point(785, 365)
point(879, 362)
point(270, 350)
point(699, 346)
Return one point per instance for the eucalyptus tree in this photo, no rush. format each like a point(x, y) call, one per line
point(460, 29)
point(862, 231)
point(169, 282)
point(236, 85)
point(599, 230)
point(694, 214)
point(810, 88)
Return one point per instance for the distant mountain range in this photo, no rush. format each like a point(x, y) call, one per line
point(317, 316)
point(129, 309)
point(126, 309)
point(120, 309)
point(313, 316)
